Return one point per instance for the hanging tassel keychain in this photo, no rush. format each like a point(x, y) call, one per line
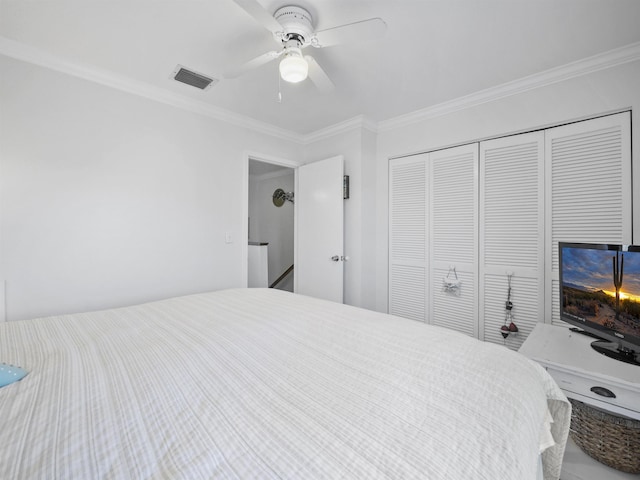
point(509, 326)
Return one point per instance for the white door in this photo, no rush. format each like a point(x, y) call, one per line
point(511, 236)
point(408, 237)
point(319, 230)
point(588, 168)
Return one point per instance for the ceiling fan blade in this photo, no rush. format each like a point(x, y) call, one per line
point(371, 29)
point(318, 76)
point(257, 11)
point(251, 64)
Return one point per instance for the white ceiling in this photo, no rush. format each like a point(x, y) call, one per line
point(433, 51)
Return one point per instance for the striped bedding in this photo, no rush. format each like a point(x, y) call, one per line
point(259, 383)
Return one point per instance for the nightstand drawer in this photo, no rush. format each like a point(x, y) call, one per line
point(596, 389)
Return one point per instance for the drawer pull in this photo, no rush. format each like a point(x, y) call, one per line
point(604, 392)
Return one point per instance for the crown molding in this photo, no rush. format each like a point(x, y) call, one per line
point(26, 53)
point(358, 122)
point(602, 61)
point(29, 54)
point(612, 58)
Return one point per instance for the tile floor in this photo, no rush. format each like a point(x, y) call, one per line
point(578, 465)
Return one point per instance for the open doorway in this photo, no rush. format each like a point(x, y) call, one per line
point(271, 225)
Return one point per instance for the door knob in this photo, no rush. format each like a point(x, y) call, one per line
point(335, 258)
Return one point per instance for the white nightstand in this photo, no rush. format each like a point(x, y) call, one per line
point(578, 368)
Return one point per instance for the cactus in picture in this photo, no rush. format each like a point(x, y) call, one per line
point(618, 270)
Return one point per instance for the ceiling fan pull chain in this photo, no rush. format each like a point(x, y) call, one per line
point(279, 90)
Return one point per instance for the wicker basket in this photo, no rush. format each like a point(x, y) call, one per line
point(612, 440)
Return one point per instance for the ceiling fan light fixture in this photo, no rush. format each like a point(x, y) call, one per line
point(293, 67)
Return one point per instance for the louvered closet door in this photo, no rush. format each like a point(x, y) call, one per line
point(511, 234)
point(588, 200)
point(453, 232)
point(407, 237)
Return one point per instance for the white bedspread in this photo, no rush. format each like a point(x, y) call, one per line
point(254, 383)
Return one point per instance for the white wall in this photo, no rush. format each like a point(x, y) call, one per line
point(273, 224)
point(111, 199)
point(577, 98)
point(369, 232)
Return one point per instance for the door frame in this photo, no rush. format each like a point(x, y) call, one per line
point(259, 157)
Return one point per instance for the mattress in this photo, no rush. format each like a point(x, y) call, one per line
point(261, 383)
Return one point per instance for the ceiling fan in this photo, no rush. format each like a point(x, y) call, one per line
point(292, 28)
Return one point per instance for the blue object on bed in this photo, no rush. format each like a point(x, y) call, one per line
point(10, 374)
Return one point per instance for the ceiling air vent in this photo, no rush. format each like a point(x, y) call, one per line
point(192, 78)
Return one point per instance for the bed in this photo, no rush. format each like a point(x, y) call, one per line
point(261, 383)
